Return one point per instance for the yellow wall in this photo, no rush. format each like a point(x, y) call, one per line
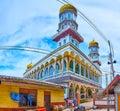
point(40, 98)
point(57, 96)
point(5, 100)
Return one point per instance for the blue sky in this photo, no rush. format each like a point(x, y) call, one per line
point(32, 23)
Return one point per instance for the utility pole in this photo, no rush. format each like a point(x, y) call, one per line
point(111, 61)
point(107, 93)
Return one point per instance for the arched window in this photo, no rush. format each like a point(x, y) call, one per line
point(37, 75)
point(71, 91)
point(64, 66)
point(51, 70)
point(71, 65)
point(77, 68)
point(42, 74)
point(90, 75)
point(46, 72)
point(86, 73)
point(82, 70)
point(57, 68)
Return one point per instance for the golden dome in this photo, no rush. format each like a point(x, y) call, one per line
point(93, 43)
point(68, 7)
point(29, 66)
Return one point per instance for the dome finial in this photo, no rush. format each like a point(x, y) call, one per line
point(68, 7)
point(93, 43)
point(29, 65)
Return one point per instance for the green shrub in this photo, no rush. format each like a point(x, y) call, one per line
point(83, 100)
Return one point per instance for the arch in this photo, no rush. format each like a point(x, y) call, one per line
point(77, 58)
point(66, 53)
point(59, 57)
point(72, 54)
point(89, 92)
point(52, 61)
point(77, 68)
point(83, 62)
point(86, 72)
point(82, 91)
point(51, 70)
point(46, 72)
point(46, 64)
point(82, 70)
point(42, 66)
point(57, 68)
point(38, 68)
point(42, 74)
point(71, 65)
point(37, 75)
point(64, 65)
point(77, 89)
point(71, 91)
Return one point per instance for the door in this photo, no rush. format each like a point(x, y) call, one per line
point(118, 102)
point(47, 100)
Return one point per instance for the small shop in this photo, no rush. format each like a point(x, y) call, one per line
point(114, 89)
point(17, 94)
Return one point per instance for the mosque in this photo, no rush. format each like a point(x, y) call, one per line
point(67, 64)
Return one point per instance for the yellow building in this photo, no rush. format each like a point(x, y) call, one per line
point(18, 94)
point(68, 65)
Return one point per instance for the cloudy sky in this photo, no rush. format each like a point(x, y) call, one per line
point(32, 23)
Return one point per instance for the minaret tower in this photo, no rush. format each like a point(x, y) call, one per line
point(94, 53)
point(67, 27)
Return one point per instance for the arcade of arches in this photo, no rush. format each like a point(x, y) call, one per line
point(64, 63)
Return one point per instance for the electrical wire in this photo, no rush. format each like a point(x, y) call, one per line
point(88, 21)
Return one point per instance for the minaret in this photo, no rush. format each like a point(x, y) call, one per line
point(67, 27)
point(94, 53)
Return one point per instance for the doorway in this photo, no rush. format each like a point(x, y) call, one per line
point(47, 99)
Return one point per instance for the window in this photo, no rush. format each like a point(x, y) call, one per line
point(71, 65)
point(64, 41)
point(90, 75)
point(77, 68)
point(51, 70)
point(57, 68)
point(59, 43)
point(37, 75)
point(86, 73)
point(28, 97)
point(42, 74)
point(64, 65)
point(46, 72)
point(82, 70)
point(76, 44)
point(72, 41)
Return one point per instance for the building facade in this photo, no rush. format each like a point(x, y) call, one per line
point(68, 65)
point(18, 94)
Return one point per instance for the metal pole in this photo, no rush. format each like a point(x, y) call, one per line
point(107, 93)
point(111, 60)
